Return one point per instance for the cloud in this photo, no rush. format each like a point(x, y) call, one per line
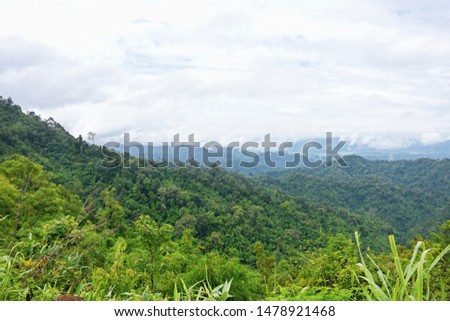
point(232, 70)
point(18, 54)
point(39, 76)
point(431, 138)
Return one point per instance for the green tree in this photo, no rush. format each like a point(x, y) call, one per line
point(266, 265)
point(155, 238)
point(112, 214)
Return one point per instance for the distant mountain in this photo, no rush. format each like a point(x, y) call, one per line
point(240, 161)
point(439, 150)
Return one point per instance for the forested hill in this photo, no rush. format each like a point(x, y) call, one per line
point(412, 196)
point(68, 160)
point(213, 202)
point(158, 225)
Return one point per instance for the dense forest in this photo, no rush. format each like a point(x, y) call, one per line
point(411, 196)
point(69, 225)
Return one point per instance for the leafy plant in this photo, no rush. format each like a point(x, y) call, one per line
point(410, 283)
point(205, 292)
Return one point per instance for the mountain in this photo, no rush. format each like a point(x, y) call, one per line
point(72, 223)
point(411, 196)
point(240, 210)
point(232, 159)
point(415, 150)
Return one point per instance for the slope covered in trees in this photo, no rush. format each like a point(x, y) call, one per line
point(70, 225)
point(412, 196)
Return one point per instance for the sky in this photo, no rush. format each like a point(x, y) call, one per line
point(375, 72)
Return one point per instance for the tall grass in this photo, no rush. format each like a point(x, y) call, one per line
point(9, 277)
point(411, 282)
point(202, 291)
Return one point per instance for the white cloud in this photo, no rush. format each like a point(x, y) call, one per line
point(430, 138)
point(41, 77)
point(232, 70)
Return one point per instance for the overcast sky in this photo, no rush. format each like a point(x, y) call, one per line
point(377, 71)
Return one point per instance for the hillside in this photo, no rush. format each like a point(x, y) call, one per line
point(71, 225)
point(220, 201)
point(411, 196)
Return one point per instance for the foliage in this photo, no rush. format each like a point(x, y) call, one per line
point(410, 283)
point(411, 196)
point(204, 291)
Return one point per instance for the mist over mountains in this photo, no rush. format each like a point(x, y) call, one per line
point(256, 160)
